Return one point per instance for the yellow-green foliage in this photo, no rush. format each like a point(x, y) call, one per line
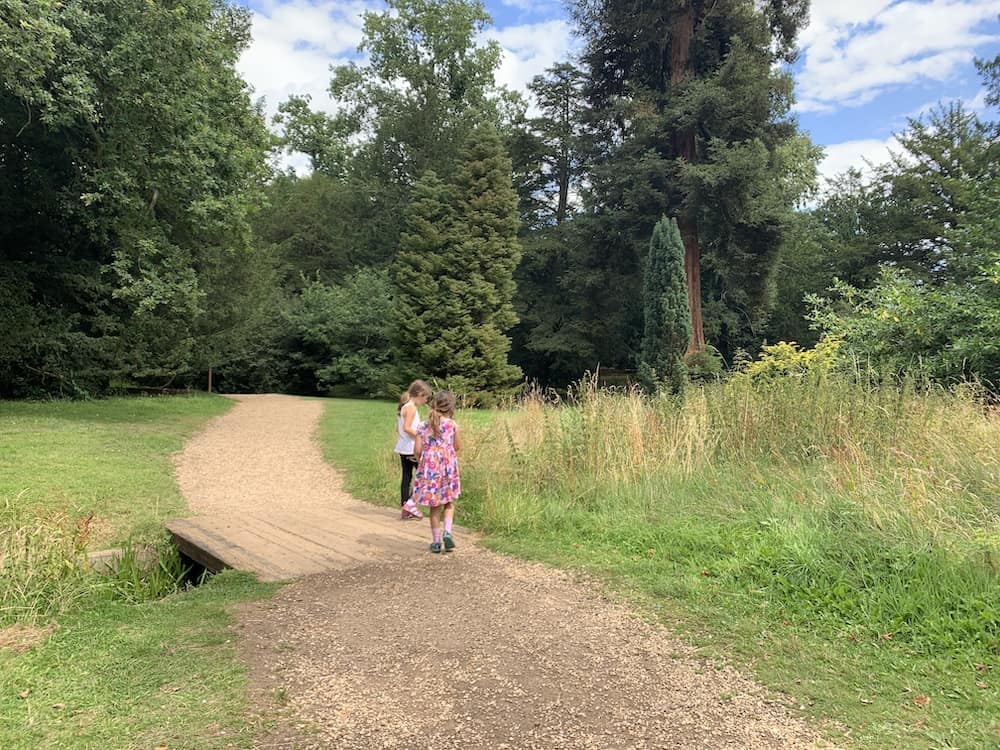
point(786, 358)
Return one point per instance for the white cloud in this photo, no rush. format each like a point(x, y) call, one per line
point(294, 44)
point(860, 154)
point(854, 50)
point(529, 49)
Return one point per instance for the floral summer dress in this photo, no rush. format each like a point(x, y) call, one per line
point(436, 482)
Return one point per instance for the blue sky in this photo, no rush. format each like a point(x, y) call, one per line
point(866, 65)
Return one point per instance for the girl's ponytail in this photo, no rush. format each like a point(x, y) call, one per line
point(434, 422)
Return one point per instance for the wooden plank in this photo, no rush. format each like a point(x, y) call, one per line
point(284, 545)
point(295, 550)
point(221, 548)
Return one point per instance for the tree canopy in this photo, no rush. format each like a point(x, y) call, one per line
point(132, 160)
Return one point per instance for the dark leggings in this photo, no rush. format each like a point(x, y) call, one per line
point(407, 480)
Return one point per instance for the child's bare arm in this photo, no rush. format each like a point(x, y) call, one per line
point(418, 447)
point(458, 440)
point(410, 420)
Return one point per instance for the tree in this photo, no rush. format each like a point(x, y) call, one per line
point(990, 71)
point(427, 79)
point(690, 108)
point(934, 307)
point(422, 302)
point(314, 134)
point(131, 160)
point(319, 227)
point(923, 194)
point(488, 251)
point(548, 153)
point(910, 214)
point(559, 132)
point(667, 330)
point(339, 335)
point(453, 276)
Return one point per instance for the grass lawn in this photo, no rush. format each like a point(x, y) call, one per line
point(111, 675)
point(115, 676)
point(884, 635)
point(108, 457)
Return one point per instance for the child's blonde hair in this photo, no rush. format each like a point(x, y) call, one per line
point(417, 388)
point(442, 406)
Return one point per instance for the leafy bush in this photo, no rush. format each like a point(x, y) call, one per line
point(704, 365)
point(948, 332)
point(948, 327)
point(786, 358)
point(339, 334)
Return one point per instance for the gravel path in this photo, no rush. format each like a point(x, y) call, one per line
point(470, 649)
point(258, 457)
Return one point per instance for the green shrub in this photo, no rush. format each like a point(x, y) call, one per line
point(704, 365)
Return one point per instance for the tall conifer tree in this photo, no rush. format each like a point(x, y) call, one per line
point(667, 330)
point(691, 110)
point(453, 276)
point(488, 252)
point(423, 306)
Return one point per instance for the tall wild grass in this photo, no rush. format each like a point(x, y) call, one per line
point(45, 572)
point(864, 510)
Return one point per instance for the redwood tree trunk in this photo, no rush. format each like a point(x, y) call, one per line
point(684, 145)
point(692, 267)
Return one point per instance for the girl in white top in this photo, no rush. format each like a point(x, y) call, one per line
point(407, 421)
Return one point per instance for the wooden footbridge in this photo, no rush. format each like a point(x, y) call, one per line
point(281, 545)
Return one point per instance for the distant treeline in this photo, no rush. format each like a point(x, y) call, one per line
point(445, 233)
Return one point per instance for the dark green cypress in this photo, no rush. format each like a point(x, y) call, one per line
point(668, 315)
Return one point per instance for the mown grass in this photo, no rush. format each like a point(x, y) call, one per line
point(842, 541)
point(110, 458)
point(117, 677)
point(116, 666)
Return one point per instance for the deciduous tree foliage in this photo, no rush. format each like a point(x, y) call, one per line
point(130, 161)
point(338, 337)
point(914, 214)
point(934, 307)
point(427, 79)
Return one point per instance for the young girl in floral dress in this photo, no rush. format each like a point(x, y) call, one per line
point(437, 484)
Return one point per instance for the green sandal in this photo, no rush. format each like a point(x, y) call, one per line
point(436, 547)
point(449, 543)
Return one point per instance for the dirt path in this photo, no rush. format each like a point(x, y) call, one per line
point(471, 649)
point(258, 457)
